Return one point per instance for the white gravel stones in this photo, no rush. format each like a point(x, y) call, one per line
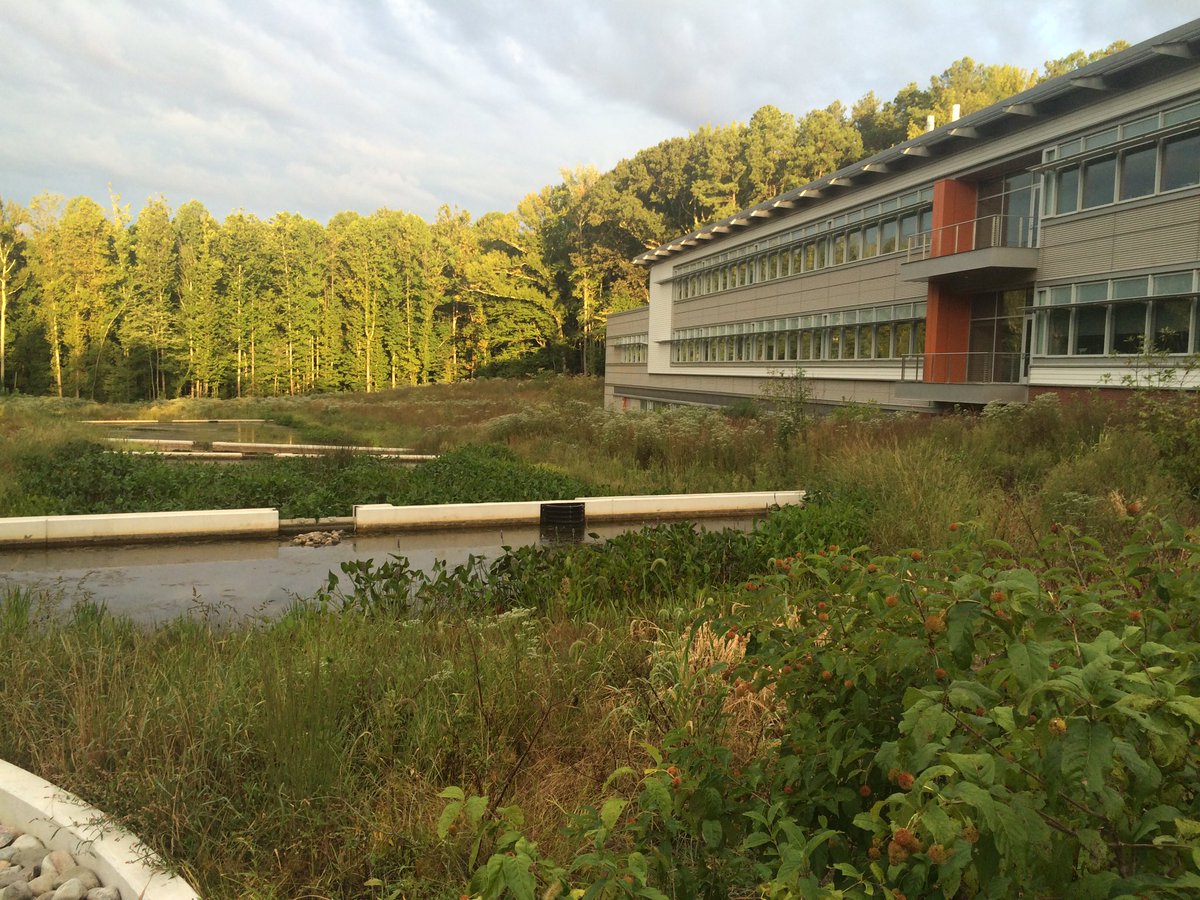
point(29, 871)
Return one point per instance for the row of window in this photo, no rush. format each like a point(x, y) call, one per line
point(1138, 171)
point(889, 340)
point(1164, 284)
point(1124, 131)
point(895, 206)
point(860, 242)
point(630, 353)
point(1131, 326)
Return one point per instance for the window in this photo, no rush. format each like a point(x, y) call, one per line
point(820, 254)
point(1066, 190)
point(849, 343)
point(904, 339)
point(1058, 330)
point(1090, 323)
point(883, 341)
point(891, 231)
point(839, 249)
point(1172, 325)
point(1099, 178)
point(865, 333)
point(853, 245)
point(1129, 327)
point(870, 241)
point(908, 230)
point(1181, 162)
point(1137, 171)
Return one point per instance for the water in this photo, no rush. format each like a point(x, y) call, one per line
point(234, 579)
point(201, 432)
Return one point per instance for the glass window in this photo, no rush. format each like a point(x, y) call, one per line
point(810, 257)
point(835, 343)
point(1102, 139)
point(762, 269)
point(1099, 178)
point(1058, 329)
point(1129, 327)
point(1141, 126)
point(1094, 290)
point(849, 343)
point(883, 341)
point(1181, 162)
point(1130, 287)
point(1060, 296)
point(839, 249)
point(1174, 283)
point(1066, 190)
point(871, 240)
point(820, 254)
point(1137, 171)
point(806, 341)
point(919, 337)
point(1090, 324)
point(908, 230)
point(904, 339)
point(1181, 114)
point(865, 333)
point(891, 231)
point(1172, 325)
point(853, 245)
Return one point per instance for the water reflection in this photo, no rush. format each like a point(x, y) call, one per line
point(157, 582)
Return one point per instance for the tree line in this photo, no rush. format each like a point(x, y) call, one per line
point(95, 303)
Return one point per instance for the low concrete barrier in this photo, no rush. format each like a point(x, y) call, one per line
point(248, 447)
point(667, 505)
point(383, 516)
point(138, 526)
point(62, 821)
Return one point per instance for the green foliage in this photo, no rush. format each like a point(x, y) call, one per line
point(963, 723)
point(79, 477)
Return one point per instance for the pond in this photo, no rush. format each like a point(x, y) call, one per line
point(248, 578)
point(254, 431)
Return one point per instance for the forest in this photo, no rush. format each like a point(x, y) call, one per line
point(100, 304)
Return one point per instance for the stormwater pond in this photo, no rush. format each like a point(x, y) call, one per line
point(234, 579)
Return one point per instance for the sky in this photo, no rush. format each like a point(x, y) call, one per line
point(318, 107)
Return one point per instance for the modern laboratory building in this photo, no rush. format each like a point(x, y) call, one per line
point(1050, 242)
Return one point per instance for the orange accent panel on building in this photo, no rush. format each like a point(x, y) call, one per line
point(953, 205)
point(947, 335)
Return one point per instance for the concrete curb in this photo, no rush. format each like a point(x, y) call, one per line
point(223, 523)
point(384, 516)
point(137, 526)
point(62, 821)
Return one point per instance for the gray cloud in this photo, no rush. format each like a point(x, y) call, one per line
point(315, 106)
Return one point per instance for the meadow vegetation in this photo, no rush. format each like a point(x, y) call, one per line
point(965, 668)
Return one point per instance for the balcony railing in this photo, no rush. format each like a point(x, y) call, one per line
point(977, 234)
point(962, 368)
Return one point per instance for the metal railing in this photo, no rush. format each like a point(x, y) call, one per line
point(962, 368)
point(976, 234)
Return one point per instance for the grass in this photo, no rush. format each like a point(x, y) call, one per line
point(305, 756)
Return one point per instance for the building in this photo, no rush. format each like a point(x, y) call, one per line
point(1050, 242)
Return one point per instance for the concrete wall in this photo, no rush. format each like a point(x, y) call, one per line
point(64, 822)
point(138, 526)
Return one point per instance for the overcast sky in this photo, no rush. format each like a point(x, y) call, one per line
point(317, 107)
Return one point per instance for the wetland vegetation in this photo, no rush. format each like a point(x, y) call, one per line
point(966, 668)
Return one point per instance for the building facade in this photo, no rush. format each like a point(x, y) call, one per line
point(1050, 242)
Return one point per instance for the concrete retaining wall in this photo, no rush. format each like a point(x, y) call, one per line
point(138, 526)
point(383, 516)
point(64, 822)
point(667, 505)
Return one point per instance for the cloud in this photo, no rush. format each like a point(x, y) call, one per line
point(318, 106)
